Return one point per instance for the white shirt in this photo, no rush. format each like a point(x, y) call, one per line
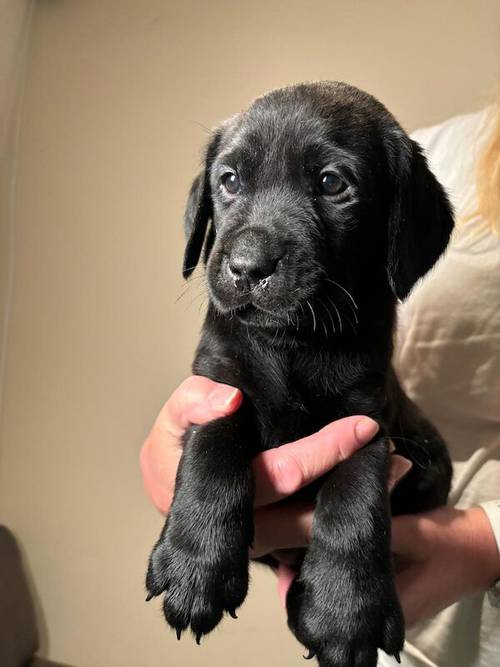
point(448, 358)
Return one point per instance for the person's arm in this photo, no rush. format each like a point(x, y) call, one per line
point(444, 555)
point(492, 510)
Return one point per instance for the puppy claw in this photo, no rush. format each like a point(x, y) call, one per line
point(310, 655)
point(178, 632)
point(397, 658)
point(149, 597)
point(232, 613)
point(198, 638)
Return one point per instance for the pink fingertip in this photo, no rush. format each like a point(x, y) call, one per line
point(365, 429)
point(285, 579)
point(225, 399)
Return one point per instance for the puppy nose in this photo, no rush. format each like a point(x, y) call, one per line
point(249, 266)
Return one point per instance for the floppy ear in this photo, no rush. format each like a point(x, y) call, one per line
point(420, 221)
point(199, 213)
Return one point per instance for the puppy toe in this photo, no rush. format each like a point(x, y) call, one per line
point(394, 631)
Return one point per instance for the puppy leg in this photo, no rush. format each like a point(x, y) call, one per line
point(201, 558)
point(343, 605)
point(427, 485)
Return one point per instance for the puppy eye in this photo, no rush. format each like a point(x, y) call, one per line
point(330, 184)
point(230, 182)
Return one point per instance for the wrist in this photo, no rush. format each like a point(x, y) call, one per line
point(484, 549)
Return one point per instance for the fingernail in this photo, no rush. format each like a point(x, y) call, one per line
point(403, 467)
point(365, 429)
point(399, 468)
point(222, 397)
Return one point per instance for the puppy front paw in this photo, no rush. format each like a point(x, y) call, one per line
point(343, 608)
point(201, 580)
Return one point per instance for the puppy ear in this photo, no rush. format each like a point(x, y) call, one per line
point(198, 213)
point(420, 222)
point(196, 217)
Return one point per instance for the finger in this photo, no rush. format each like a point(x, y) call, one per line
point(282, 527)
point(158, 470)
point(285, 579)
point(399, 468)
point(281, 471)
point(196, 401)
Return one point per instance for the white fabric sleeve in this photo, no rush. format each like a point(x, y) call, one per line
point(492, 511)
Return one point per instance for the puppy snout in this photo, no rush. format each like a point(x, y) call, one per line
point(248, 271)
point(251, 261)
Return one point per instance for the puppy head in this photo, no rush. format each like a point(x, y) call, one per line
point(311, 193)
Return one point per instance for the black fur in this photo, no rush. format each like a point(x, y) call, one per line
point(303, 287)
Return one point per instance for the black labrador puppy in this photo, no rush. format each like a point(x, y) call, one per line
point(317, 213)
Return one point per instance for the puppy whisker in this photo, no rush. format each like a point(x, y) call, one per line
point(201, 280)
point(203, 127)
point(329, 315)
point(337, 312)
point(346, 292)
point(355, 315)
point(418, 448)
point(190, 268)
point(313, 315)
point(183, 293)
point(200, 294)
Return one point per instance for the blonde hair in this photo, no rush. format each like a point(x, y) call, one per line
point(488, 173)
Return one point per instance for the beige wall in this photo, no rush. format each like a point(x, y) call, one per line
point(15, 21)
point(117, 95)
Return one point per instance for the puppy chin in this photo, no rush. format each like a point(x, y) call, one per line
point(226, 301)
point(249, 309)
point(256, 317)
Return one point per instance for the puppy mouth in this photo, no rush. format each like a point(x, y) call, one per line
point(255, 315)
point(247, 309)
point(314, 308)
point(259, 306)
point(250, 307)
point(262, 307)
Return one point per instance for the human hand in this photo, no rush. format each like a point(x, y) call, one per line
point(197, 400)
point(294, 525)
point(442, 556)
point(278, 472)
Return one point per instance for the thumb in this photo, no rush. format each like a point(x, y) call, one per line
point(284, 470)
point(197, 400)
